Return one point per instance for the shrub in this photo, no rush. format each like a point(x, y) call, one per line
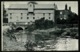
point(43, 24)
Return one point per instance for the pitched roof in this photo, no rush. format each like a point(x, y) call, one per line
point(18, 6)
point(44, 6)
point(37, 6)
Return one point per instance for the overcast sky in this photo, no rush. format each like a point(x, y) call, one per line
point(60, 4)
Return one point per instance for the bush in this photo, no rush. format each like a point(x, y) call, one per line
point(43, 24)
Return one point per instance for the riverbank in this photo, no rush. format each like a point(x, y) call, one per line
point(61, 44)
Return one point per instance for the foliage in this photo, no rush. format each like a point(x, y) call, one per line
point(43, 24)
point(71, 19)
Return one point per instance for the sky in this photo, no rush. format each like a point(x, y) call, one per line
point(60, 4)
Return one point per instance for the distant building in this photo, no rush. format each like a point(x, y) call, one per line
point(63, 14)
point(28, 13)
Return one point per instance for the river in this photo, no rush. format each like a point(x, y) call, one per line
point(23, 36)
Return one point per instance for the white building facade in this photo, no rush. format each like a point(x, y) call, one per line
point(26, 13)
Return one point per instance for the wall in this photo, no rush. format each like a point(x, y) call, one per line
point(16, 15)
point(39, 14)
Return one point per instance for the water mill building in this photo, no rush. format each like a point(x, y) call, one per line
point(28, 13)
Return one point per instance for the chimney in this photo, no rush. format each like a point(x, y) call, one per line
point(69, 8)
point(66, 7)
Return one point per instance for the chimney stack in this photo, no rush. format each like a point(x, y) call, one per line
point(66, 7)
point(69, 8)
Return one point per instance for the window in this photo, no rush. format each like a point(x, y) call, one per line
point(21, 13)
point(33, 14)
point(49, 17)
point(33, 17)
point(10, 17)
point(49, 14)
point(61, 18)
point(10, 13)
point(28, 22)
point(65, 17)
point(43, 14)
point(27, 17)
point(21, 17)
point(27, 14)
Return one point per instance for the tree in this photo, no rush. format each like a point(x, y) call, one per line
point(43, 24)
point(72, 18)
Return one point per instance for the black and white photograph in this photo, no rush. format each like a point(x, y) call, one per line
point(39, 26)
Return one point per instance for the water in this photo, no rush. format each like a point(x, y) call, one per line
point(23, 36)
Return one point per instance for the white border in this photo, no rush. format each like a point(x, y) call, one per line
point(2, 25)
